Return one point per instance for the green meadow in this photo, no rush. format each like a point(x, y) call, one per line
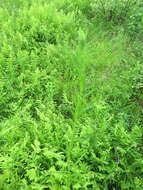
point(71, 95)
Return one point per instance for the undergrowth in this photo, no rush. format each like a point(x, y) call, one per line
point(71, 95)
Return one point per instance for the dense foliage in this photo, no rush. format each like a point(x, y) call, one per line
point(71, 95)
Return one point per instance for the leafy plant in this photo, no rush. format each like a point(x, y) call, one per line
point(71, 95)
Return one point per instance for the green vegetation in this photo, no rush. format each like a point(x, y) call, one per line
point(71, 95)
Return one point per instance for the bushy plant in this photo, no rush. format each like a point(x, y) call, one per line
point(70, 95)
